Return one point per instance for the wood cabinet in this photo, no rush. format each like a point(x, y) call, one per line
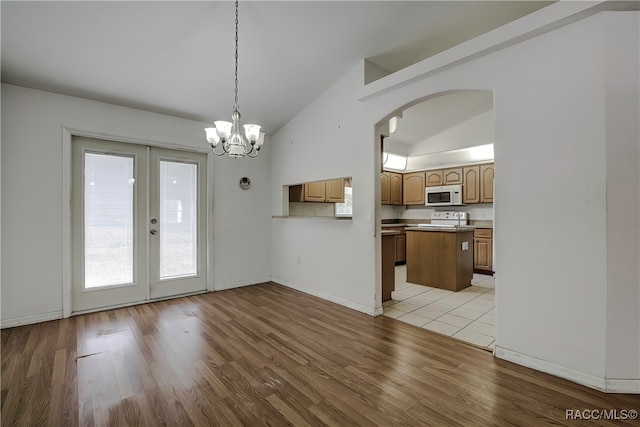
point(315, 191)
point(396, 189)
point(400, 244)
point(452, 176)
point(486, 183)
point(334, 190)
point(434, 178)
point(471, 185)
point(413, 188)
point(391, 188)
point(483, 250)
point(329, 191)
point(385, 188)
point(478, 184)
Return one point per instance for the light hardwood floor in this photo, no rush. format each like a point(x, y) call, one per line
point(268, 355)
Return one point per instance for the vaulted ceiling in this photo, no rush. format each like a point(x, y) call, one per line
point(177, 57)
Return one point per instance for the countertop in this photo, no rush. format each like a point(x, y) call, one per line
point(441, 229)
point(474, 224)
point(390, 232)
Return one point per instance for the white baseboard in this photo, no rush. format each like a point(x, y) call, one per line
point(232, 285)
point(29, 320)
point(606, 385)
point(346, 303)
point(623, 386)
point(378, 311)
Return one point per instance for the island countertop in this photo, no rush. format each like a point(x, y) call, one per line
point(442, 229)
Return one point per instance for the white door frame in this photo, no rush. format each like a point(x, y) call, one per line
point(67, 134)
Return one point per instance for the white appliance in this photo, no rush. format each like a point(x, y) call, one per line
point(446, 195)
point(447, 219)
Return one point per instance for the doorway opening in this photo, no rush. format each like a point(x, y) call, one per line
point(440, 146)
point(138, 223)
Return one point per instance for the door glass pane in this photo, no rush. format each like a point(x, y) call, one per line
point(178, 219)
point(108, 220)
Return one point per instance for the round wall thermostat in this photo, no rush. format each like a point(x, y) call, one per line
point(245, 183)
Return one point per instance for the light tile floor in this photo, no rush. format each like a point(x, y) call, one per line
point(468, 315)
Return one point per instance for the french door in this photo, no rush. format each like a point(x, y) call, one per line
point(138, 223)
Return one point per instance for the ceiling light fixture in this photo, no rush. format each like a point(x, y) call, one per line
point(228, 133)
point(393, 124)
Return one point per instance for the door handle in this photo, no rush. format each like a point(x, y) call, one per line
point(154, 231)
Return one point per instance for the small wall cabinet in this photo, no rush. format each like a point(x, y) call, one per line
point(452, 176)
point(391, 188)
point(434, 178)
point(315, 191)
point(334, 190)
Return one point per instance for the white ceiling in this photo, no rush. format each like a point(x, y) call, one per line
point(177, 57)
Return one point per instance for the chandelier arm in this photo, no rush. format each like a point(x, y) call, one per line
point(257, 151)
point(224, 151)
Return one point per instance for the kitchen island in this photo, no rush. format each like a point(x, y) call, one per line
point(440, 257)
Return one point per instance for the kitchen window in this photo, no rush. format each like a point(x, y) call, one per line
point(346, 209)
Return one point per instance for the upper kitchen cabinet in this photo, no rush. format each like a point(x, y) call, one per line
point(486, 183)
point(396, 188)
point(391, 188)
point(471, 185)
point(334, 190)
point(413, 188)
point(385, 188)
point(434, 178)
point(478, 184)
point(315, 191)
point(329, 191)
point(452, 176)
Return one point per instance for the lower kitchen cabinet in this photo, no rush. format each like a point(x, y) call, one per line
point(401, 248)
point(483, 250)
point(400, 245)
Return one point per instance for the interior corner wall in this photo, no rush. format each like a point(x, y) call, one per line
point(550, 193)
point(622, 74)
point(32, 195)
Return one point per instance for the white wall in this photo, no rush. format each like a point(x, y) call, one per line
point(336, 256)
point(32, 195)
point(622, 73)
point(550, 103)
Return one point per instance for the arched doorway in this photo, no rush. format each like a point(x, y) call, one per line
point(440, 141)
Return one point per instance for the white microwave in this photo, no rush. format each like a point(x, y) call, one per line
point(447, 195)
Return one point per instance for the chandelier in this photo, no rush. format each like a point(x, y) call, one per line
point(227, 134)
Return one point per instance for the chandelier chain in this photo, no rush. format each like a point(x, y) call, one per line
point(235, 107)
